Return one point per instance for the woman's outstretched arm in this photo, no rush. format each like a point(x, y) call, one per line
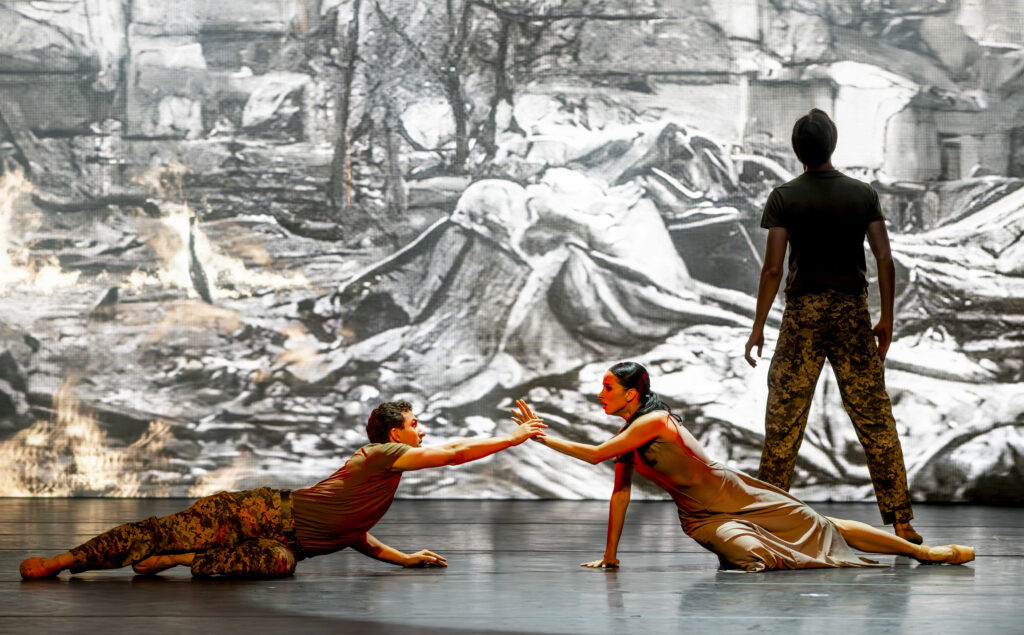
point(643, 430)
point(616, 516)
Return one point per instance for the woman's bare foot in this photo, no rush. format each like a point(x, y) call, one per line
point(34, 568)
point(155, 564)
point(906, 532)
point(947, 554)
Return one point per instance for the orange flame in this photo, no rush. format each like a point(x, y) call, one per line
point(16, 266)
point(69, 454)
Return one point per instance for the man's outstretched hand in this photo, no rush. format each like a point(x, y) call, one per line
point(426, 558)
point(528, 423)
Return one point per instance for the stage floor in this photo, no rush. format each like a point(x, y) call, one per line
point(514, 568)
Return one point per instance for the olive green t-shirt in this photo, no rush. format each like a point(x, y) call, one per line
point(826, 215)
point(338, 510)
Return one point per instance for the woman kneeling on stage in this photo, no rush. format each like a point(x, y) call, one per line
point(749, 524)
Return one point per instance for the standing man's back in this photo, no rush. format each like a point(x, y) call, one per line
point(823, 216)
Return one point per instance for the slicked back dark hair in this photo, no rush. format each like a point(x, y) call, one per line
point(385, 418)
point(633, 375)
point(814, 138)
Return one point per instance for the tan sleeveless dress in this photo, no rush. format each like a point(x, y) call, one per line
point(748, 523)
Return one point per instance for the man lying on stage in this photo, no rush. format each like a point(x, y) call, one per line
point(263, 532)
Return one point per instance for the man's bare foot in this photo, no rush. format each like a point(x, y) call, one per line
point(947, 554)
point(34, 568)
point(155, 564)
point(906, 532)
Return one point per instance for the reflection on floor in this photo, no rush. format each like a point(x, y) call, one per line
point(514, 568)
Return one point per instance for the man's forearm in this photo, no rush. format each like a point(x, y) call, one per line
point(886, 286)
point(767, 288)
point(370, 546)
point(466, 450)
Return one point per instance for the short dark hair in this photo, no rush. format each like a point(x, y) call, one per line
point(814, 138)
point(385, 418)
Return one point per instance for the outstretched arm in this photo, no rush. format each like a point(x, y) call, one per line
point(767, 288)
point(616, 516)
point(643, 430)
point(370, 546)
point(466, 450)
point(878, 239)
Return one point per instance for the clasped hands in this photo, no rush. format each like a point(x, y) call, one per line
point(530, 425)
point(526, 417)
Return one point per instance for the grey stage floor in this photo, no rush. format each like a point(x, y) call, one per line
point(514, 568)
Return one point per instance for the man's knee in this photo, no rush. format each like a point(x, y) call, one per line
point(260, 558)
point(281, 562)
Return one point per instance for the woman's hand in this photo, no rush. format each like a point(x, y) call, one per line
point(528, 423)
point(425, 558)
point(603, 563)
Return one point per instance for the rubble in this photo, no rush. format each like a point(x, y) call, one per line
point(185, 309)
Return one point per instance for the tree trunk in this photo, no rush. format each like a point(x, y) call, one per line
point(309, 16)
point(455, 51)
point(395, 198)
point(457, 102)
point(339, 187)
point(502, 89)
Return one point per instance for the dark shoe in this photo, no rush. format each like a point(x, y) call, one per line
point(906, 532)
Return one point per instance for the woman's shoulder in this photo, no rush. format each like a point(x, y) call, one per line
point(655, 418)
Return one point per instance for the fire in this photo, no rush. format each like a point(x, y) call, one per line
point(179, 234)
point(300, 347)
point(69, 454)
point(170, 240)
point(199, 316)
point(226, 478)
point(166, 181)
point(17, 268)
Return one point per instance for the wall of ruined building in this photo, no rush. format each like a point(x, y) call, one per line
point(111, 95)
point(773, 106)
point(912, 146)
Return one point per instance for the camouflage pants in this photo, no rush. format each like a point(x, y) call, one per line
point(836, 326)
point(231, 533)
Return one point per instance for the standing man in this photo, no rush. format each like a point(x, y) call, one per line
point(824, 215)
point(261, 533)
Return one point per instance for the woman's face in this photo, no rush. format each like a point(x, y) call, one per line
point(613, 397)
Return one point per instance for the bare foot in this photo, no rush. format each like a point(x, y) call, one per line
point(906, 532)
point(34, 568)
point(947, 554)
point(154, 565)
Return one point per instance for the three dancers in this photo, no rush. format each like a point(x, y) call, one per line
point(748, 523)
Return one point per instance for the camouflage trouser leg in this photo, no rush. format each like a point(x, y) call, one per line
point(836, 326)
point(860, 375)
point(259, 557)
point(231, 533)
point(792, 377)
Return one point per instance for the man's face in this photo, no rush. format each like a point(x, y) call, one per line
point(410, 433)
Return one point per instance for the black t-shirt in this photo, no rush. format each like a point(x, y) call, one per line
point(826, 215)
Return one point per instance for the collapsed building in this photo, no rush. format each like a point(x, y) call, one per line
point(587, 187)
